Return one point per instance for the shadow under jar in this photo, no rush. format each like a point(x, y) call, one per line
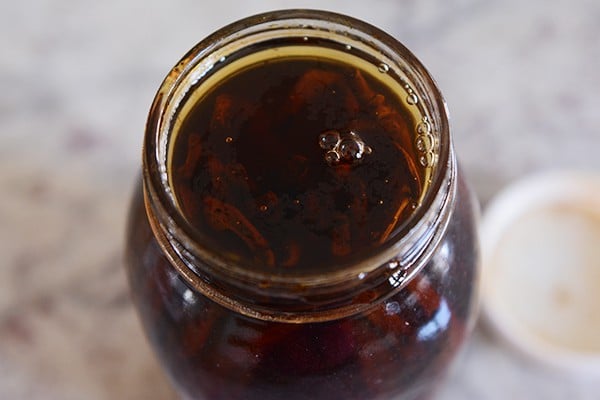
point(302, 231)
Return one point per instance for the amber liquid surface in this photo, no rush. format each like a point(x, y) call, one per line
point(296, 162)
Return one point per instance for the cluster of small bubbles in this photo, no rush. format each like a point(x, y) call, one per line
point(348, 148)
point(383, 68)
point(425, 143)
point(412, 97)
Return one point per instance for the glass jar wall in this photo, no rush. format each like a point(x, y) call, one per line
point(343, 265)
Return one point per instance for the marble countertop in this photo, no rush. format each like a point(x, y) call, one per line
point(76, 80)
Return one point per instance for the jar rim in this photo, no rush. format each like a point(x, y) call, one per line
point(412, 237)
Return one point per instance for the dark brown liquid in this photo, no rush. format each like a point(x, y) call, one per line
point(296, 162)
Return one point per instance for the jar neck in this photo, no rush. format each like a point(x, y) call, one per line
point(315, 297)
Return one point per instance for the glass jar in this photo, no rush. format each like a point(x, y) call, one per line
point(380, 323)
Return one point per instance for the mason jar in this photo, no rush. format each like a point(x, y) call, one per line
point(302, 229)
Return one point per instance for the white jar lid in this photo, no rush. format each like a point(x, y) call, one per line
point(541, 269)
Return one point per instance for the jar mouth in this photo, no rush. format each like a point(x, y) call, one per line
point(213, 53)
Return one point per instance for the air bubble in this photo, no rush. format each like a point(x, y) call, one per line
point(424, 127)
point(350, 150)
point(348, 47)
point(332, 157)
point(305, 38)
point(328, 140)
point(424, 142)
point(362, 276)
point(412, 99)
point(263, 208)
point(426, 159)
point(222, 59)
point(383, 68)
point(228, 139)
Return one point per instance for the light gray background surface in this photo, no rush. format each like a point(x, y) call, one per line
point(522, 80)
